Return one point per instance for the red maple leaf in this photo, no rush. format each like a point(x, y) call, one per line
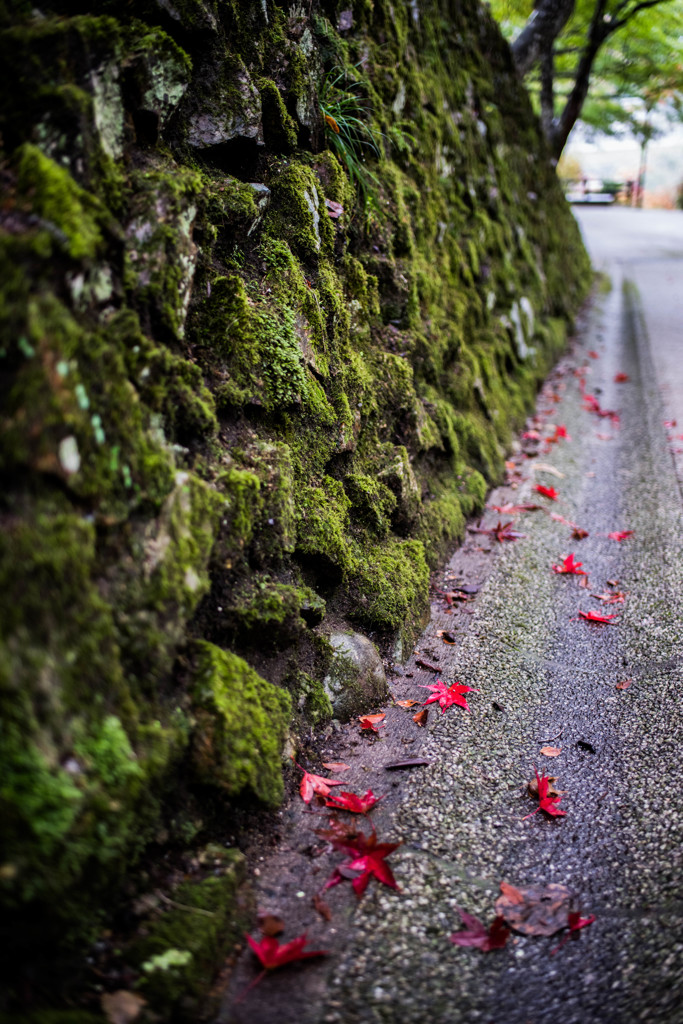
point(311, 784)
point(367, 857)
point(547, 492)
point(371, 721)
point(350, 802)
point(593, 355)
point(511, 510)
point(545, 802)
point(501, 531)
point(447, 695)
point(561, 431)
point(475, 934)
point(596, 617)
point(620, 535)
point(618, 597)
point(272, 955)
point(570, 567)
point(620, 378)
point(575, 923)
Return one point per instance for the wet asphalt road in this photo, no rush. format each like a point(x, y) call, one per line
point(619, 848)
point(544, 677)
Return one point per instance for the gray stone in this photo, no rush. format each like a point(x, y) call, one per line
point(356, 681)
point(231, 109)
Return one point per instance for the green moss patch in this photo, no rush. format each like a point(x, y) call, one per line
point(240, 726)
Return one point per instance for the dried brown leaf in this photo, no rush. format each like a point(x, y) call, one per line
point(536, 910)
point(551, 752)
point(122, 1007)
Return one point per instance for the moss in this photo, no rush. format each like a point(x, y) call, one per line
point(372, 502)
point(278, 127)
point(311, 698)
point(161, 256)
point(298, 213)
point(242, 508)
point(322, 523)
point(271, 614)
point(223, 396)
point(240, 725)
point(186, 944)
point(276, 525)
point(73, 216)
point(392, 586)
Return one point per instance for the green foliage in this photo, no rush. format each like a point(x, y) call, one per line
point(348, 127)
point(639, 65)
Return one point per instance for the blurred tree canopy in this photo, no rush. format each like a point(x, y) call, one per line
point(610, 63)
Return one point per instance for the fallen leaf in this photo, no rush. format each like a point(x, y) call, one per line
point(496, 706)
point(332, 123)
point(547, 492)
point(552, 790)
point(605, 437)
point(570, 567)
point(447, 636)
point(551, 751)
point(350, 802)
point(322, 907)
point(336, 766)
point(624, 684)
point(583, 582)
point(334, 209)
point(531, 435)
point(616, 598)
point(536, 910)
point(612, 583)
point(501, 531)
point(575, 923)
point(273, 954)
point(370, 721)
point(593, 355)
point(270, 924)
point(339, 833)
point(670, 423)
point(367, 857)
point(546, 802)
point(620, 535)
point(427, 664)
point(122, 1007)
point(560, 519)
point(621, 378)
point(597, 617)
point(477, 935)
point(406, 703)
point(410, 762)
point(421, 717)
point(545, 467)
point(560, 432)
point(593, 405)
point(312, 784)
point(511, 510)
point(579, 534)
point(445, 696)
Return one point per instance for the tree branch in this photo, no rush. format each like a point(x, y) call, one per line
point(599, 30)
point(643, 6)
point(539, 33)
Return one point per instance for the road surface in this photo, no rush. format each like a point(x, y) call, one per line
point(609, 697)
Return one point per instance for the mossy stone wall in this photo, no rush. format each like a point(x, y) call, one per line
point(247, 387)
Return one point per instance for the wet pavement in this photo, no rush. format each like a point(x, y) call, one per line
point(542, 676)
